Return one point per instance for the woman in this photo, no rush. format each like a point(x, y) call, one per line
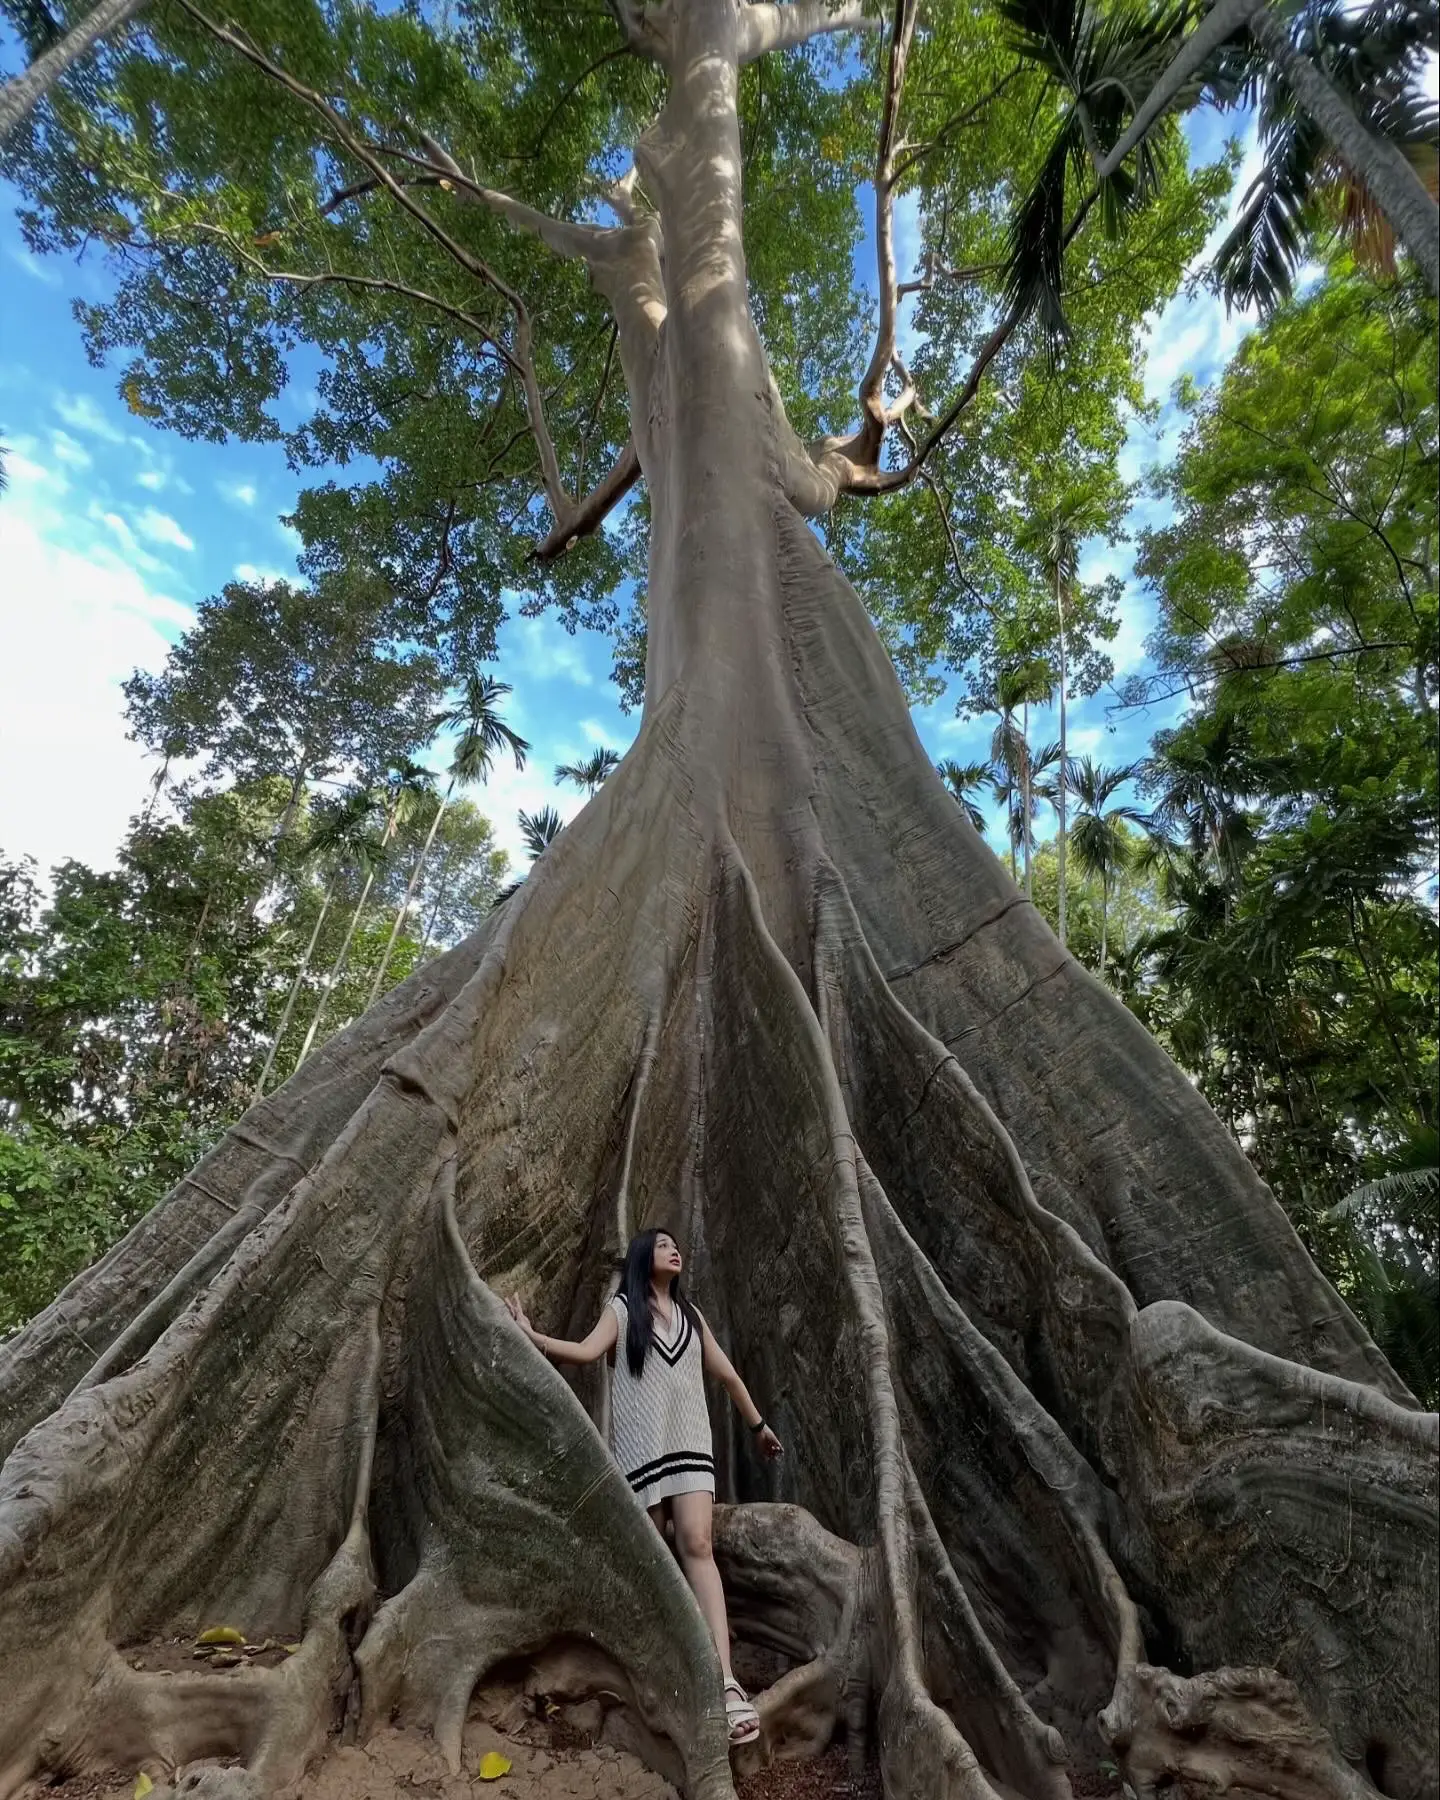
point(659, 1427)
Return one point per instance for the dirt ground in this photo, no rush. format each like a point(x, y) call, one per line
point(549, 1760)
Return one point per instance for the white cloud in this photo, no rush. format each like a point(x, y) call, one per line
point(65, 449)
point(81, 413)
point(154, 479)
point(545, 651)
point(34, 266)
point(240, 493)
point(254, 576)
point(160, 528)
point(597, 735)
point(124, 533)
point(75, 624)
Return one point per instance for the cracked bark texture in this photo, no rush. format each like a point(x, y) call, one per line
point(1084, 1456)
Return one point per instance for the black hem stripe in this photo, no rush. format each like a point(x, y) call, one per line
point(661, 1464)
point(688, 1468)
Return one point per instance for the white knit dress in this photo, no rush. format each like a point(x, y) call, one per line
point(659, 1425)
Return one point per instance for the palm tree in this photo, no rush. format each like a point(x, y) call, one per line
point(1198, 775)
point(483, 733)
point(1014, 688)
point(339, 838)
point(1099, 836)
point(592, 773)
point(1341, 96)
point(962, 779)
point(539, 831)
point(1060, 560)
point(406, 785)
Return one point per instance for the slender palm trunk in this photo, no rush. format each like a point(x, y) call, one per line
point(1025, 798)
point(404, 907)
point(1061, 797)
point(1104, 918)
point(20, 96)
point(1380, 164)
point(294, 993)
point(441, 889)
point(337, 969)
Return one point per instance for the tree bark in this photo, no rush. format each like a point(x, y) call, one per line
point(1062, 1395)
point(23, 93)
point(1381, 165)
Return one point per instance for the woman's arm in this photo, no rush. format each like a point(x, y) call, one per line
point(591, 1348)
point(715, 1362)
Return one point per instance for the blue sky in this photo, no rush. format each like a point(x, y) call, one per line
point(112, 532)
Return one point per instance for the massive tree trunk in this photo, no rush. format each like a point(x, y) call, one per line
point(1063, 1398)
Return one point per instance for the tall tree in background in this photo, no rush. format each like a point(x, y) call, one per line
point(1049, 1317)
point(295, 682)
point(482, 733)
point(1099, 839)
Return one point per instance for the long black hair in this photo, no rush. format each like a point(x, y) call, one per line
point(635, 1274)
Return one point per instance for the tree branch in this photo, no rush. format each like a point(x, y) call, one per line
point(20, 95)
point(765, 27)
point(872, 383)
point(587, 515)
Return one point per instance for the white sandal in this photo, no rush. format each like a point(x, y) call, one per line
point(740, 1715)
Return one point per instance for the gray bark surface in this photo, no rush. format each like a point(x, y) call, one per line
point(23, 93)
point(1064, 1400)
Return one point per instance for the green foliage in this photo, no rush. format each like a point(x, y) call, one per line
point(137, 1006)
point(1297, 802)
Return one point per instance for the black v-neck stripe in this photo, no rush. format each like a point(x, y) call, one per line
point(669, 1354)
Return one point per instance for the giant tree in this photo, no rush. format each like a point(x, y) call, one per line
point(1064, 1398)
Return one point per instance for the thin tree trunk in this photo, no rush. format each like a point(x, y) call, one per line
point(294, 993)
point(1064, 788)
point(20, 96)
point(1380, 164)
point(337, 968)
point(404, 907)
point(1222, 21)
point(1104, 918)
point(1025, 798)
point(441, 889)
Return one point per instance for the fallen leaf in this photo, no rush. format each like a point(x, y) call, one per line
point(266, 238)
point(448, 186)
point(289, 1649)
point(221, 1634)
point(493, 1765)
point(143, 1785)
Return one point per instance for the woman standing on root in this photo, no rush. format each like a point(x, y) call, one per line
point(659, 1426)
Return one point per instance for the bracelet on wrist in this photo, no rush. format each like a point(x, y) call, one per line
point(759, 1425)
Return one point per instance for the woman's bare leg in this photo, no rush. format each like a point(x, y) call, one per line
point(657, 1515)
point(692, 1516)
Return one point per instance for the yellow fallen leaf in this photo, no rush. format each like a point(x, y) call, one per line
point(143, 1785)
point(266, 238)
point(493, 1765)
point(447, 186)
point(290, 1649)
point(221, 1634)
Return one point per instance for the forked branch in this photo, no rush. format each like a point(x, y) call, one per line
point(765, 27)
point(572, 519)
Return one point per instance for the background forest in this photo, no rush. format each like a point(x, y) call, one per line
point(1255, 879)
